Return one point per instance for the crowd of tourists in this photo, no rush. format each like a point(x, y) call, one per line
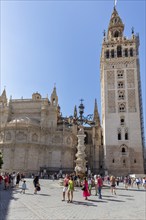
point(88, 184)
point(11, 180)
point(97, 182)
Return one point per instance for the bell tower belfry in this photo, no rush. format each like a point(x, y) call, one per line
point(121, 100)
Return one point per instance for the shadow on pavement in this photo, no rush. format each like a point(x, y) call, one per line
point(39, 194)
point(107, 196)
point(97, 200)
point(6, 196)
point(138, 190)
point(114, 200)
point(84, 203)
point(125, 195)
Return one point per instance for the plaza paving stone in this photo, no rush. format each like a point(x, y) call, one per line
point(126, 205)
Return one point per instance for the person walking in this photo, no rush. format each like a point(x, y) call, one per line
point(137, 182)
point(90, 184)
point(23, 187)
point(99, 186)
point(70, 190)
point(6, 181)
point(65, 186)
point(18, 178)
point(113, 184)
point(36, 184)
point(85, 189)
point(144, 182)
point(95, 184)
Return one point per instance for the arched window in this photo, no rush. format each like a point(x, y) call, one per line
point(123, 150)
point(116, 34)
point(126, 135)
point(112, 53)
point(120, 74)
point(134, 160)
point(121, 95)
point(126, 52)
point(113, 161)
point(122, 121)
point(54, 101)
point(120, 85)
point(131, 52)
point(122, 107)
point(107, 54)
point(119, 136)
point(124, 161)
point(119, 51)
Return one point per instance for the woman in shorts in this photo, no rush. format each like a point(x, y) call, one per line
point(113, 184)
point(70, 190)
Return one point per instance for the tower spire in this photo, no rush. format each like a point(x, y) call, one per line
point(116, 26)
point(54, 97)
point(75, 111)
point(96, 114)
point(3, 97)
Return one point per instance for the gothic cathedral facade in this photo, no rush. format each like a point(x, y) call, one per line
point(122, 123)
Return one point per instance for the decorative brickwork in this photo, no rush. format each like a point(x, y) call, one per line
point(111, 102)
point(111, 79)
point(131, 100)
point(130, 78)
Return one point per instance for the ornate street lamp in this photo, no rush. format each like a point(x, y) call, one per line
point(81, 119)
point(1, 160)
point(80, 167)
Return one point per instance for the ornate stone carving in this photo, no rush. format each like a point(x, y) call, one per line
point(56, 139)
point(8, 136)
point(21, 136)
point(35, 137)
point(80, 167)
point(1, 136)
point(69, 140)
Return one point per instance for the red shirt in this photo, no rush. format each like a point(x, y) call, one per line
point(99, 182)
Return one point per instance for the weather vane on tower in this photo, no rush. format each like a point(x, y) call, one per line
point(115, 2)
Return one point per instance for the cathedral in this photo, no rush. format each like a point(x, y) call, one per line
point(34, 136)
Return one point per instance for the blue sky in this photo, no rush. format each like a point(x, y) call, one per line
point(47, 42)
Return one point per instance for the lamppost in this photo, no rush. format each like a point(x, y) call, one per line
point(80, 161)
point(1, 159)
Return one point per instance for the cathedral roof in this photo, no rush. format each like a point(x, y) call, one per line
point(24, 120)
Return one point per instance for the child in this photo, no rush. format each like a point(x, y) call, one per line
point(23, 187)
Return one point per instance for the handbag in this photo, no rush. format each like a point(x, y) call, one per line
point(38, 188)
point(83, 187)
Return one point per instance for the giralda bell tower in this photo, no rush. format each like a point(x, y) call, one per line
point(122, 119)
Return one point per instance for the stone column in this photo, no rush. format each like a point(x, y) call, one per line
point(80, 167)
